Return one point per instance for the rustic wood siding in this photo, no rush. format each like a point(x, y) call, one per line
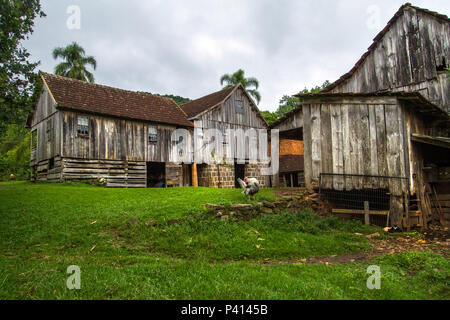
point(46, 112)
point(225, 114)
point(406, 59)
point(130, 174)
point(293, 122)
point(357, 138)
point(115, 139)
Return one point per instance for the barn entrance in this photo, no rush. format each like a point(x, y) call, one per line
point(187, 175)
point(239, 172)
point(156, 174)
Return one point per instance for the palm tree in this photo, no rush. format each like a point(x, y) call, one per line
point(247, 83)
point(75, 62)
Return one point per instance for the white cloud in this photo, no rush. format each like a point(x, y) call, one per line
point(183, 47)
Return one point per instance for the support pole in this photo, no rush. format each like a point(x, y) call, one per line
point(194, 175)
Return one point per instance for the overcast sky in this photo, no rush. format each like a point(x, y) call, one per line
point(183, 47)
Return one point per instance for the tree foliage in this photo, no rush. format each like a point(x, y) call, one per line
point(75, 62)
point(15, 152)
point(17, 77)
point(250, 84)
point(289, 103)
point(178, 99)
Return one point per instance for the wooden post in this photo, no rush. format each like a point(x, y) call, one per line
point(194, 175)
point(396, 211)
point(406, 204)
point(366, 213)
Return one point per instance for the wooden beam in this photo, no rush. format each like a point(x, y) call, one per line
point(354, 211)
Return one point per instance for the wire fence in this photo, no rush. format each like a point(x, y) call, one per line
point(347, 194)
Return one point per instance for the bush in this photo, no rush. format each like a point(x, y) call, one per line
point(15, 153)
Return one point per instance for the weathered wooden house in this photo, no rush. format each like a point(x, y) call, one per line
point(86, 131)
point(377, 139)
point(233, 113)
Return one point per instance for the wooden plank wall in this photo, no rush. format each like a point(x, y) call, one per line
point(46, 112)
point(226, 116)
point(116, 139)
point(129, 174)
point(406, 59)
point(356, 137)
point(293, 122)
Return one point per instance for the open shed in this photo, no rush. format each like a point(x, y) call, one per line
point(373, 149)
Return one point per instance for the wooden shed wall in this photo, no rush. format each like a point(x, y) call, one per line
point(46, 112)
point(293, 122)
point(115, 139)
point(225, 115)
point(406, 59)
point(356, 138)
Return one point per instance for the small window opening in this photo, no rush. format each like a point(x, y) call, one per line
point(152, 134)
point(223, 129)
point(83, 126)
point(239, 106)
point(51, 163)
point(33, 140)
point(442, 67)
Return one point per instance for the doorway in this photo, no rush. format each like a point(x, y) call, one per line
point(239, 172)
point(156, 174)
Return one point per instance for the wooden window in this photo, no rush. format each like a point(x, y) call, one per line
point(48, 130)
point(152, 134)
point(223, 129)
point(33, 140)
point(82, 126)
point(239, 106)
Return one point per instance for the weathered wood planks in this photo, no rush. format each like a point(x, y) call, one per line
point(362, 139)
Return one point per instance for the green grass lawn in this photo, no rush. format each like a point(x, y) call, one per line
point(110, 234)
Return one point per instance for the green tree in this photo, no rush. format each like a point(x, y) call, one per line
point(250, 84)
point(270, 117)
point(75, 62)
point(15, 152)
point(178, 99)
point(17, 77)
point(289, 103)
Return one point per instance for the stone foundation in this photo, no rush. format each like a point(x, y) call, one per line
point(254, 171)
point(222, 176)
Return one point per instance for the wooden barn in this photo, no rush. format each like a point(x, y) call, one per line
point(229, 111)
point(83, 131)
point(376, 141)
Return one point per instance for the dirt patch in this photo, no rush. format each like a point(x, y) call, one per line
point(393, 245)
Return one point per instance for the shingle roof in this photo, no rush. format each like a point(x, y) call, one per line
point(98, 99)
point(379, 36)
point(195, 107)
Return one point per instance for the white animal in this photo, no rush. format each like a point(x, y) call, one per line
point(250, 186)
